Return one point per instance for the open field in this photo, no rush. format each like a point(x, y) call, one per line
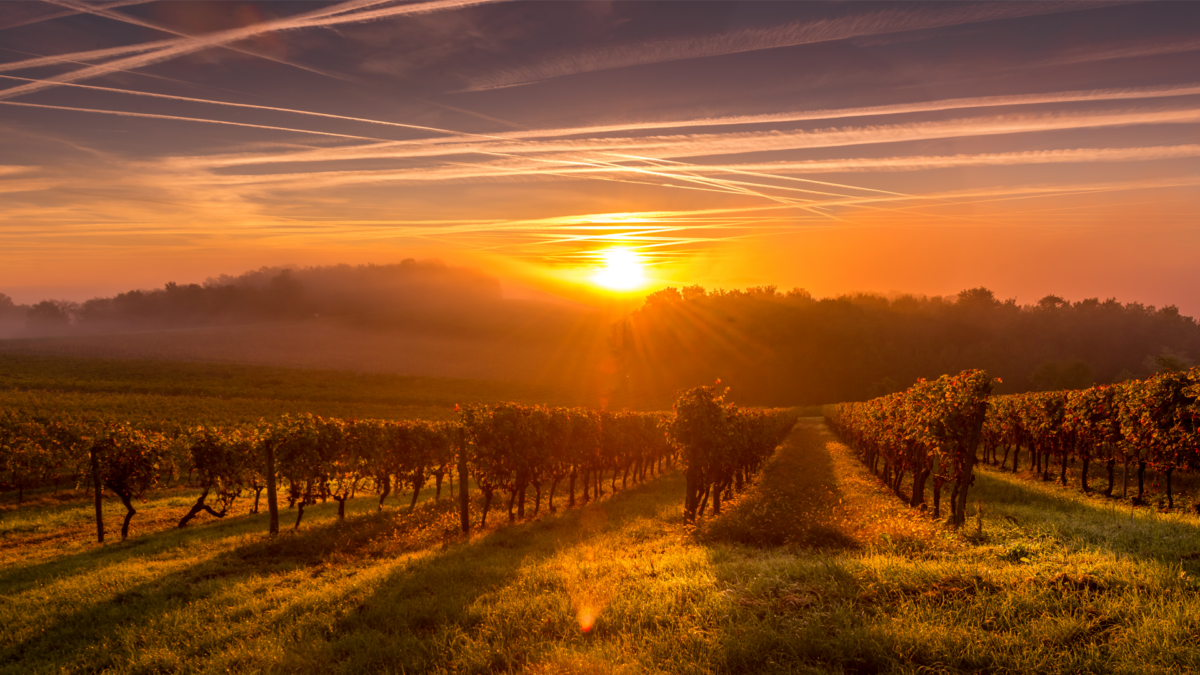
point(151, 393)
point(531, 345)
point(816, 568)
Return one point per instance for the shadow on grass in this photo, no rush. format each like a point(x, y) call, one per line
point(796, 500)
point(411, 621)
point(433, 589)
point(205, 530)
point(1106, 523)
point(17, 578)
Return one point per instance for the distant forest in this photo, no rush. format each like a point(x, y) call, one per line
point(772, 348)
point(268, 294)
point(777, 348)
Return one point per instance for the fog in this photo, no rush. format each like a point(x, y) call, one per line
point(791, 348)
point(368, 293)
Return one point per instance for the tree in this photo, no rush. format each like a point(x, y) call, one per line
point(222, 459)
point(298, 446)
point(128, 462)
point(49, 317)
point(700, 430)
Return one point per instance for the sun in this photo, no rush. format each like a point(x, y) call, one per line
point(623, 270)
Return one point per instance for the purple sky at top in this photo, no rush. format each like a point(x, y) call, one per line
point(1030, 147)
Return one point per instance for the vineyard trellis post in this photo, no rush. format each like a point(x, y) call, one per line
point(96, 489)
point(272, 500)
point(463, 499)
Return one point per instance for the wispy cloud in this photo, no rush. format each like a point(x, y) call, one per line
point(150, 53)
point(716, 144)
point(108, 13)
point(1142, 50)
point(389, 172)
point(520, 169)
point(756, 39)
point(26, 13)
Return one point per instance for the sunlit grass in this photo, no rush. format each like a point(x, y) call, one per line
point(1050, 583)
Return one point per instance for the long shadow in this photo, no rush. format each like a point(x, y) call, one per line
point(796, 500)
point(1096, 521)
point(393, 630)
point(444, 579)
point(71, 639)
point(19, 577)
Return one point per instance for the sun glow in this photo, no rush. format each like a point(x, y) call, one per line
point(623, 270)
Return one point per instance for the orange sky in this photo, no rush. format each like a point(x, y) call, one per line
point(1031, 148)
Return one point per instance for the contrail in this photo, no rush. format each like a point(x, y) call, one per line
point(124, 113)
point(755, 39)
point(130, 72)
point(921, 163)
point(250, 106)
point(169, 49)
point(104, 12)
point(1096, 95)
point(700, 145)
point(161, 44)
point(40, 13)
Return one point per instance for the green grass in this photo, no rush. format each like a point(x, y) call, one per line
point(1045, 581)
point(160, 394)
point(180, 378)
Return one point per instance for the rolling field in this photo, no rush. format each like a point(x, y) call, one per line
point(816, 568)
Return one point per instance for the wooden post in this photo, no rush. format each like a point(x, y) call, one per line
point(463, 500)
point(96, 488)
point(959, 506)
point(272, 500)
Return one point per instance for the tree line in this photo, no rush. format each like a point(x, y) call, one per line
point(777, 348)
point(524, 452)
point(262, 295)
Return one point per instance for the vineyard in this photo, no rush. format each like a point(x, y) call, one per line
point(937, 427)
point(505, 448)
point(514, 537)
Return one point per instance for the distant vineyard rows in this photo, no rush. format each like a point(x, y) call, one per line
point(506, 447)
point(934, 429)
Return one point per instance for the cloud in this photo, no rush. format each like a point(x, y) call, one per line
point(520, 169)
point(711, 144)
point(755, 39)
point(150, 53)
point(105, 12)
point(26, 13)
point(1158, 47)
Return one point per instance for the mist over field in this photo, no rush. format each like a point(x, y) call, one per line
point(365, 293)
point(772, 347)
point(413, 318)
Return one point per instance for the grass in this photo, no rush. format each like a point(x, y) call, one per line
point(815, 569)
point(158, 394)
point(228, 380)
point(525, 350)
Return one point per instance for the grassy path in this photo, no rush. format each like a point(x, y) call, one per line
point(816, 569)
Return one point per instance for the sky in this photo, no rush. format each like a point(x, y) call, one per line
point(1033, 148)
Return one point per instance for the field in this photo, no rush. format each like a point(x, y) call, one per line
point(189, 393)
point(532, 346)
point(816, 568)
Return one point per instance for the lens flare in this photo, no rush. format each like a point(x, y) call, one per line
point(623, 270)
point(587, 619)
